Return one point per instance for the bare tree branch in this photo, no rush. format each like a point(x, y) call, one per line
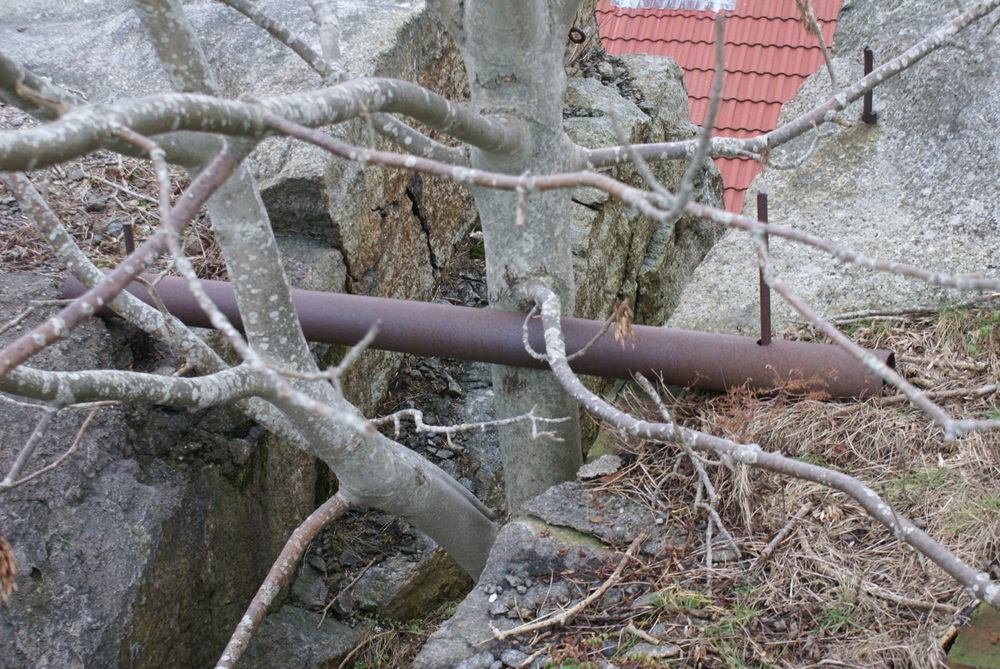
point(683, 195)
point(331, 70)
point(176, 47)
point(449, 430)
point(325, 13)
point(812, 27)
point(86, 129)
point(22, 88)
point(65, 388)
point(649, 203)
point(88, 304)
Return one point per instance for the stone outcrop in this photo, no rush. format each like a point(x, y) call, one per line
point(144, 547)
point(619, 253)
point(917, 187)
point(392, 231)
point(568, 530)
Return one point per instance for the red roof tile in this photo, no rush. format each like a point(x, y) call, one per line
point(751, 87)
point(701, 29)
point(745, 9)
point(734, 115)
point(768, 55)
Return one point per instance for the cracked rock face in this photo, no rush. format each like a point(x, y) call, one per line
point(157, 502)
point(619, 253)
point(918, 187)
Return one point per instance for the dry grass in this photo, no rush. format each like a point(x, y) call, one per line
point(390, 644)
point(839, 589)
point(93, 197)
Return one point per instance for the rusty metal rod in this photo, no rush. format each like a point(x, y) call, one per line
point(128, 237)
point(765, 290)
point(867, 115)
point(678, 357)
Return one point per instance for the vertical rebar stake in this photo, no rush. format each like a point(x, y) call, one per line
point(128, 238)
point(869, 116)
point(765, 290)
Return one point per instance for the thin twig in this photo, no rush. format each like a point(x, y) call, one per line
point(526, 340)
point(942, 394)
point(812, 27)
point(566, 615)
point(127, 191)
point(30, 309)
point(911, 603)
point(333, 374)
point(29, 448)
point(930, 363)
point(683, 195)
point(279, 574)
point(593, 340)
point(449, 430)
point(62, 458)
point(778, 538)
point(331, 72)
point(346, 589)
point(910, 311)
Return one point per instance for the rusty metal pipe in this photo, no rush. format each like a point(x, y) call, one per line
point(678, 357)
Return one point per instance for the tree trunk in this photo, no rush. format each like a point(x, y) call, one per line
point(515, 67)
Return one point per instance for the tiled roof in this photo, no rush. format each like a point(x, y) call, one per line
point(768, 55)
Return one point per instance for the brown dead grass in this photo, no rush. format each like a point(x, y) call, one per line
point(93, 197)
point(839, 590)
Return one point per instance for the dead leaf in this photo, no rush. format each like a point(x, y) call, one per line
point(8, 570)
point(622, 317)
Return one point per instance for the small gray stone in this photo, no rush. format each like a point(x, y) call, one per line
point(498, 609)
point(612, 597)
point(602, 466)
point(308, 588)
point(648, 650)
point(513, 658)
point(483, 660)
point(727, 554)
